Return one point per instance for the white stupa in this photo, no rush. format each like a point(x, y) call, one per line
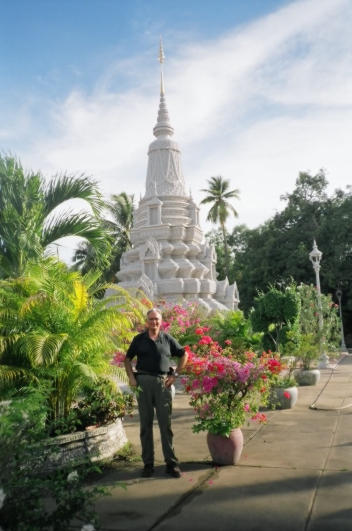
point(170, 259)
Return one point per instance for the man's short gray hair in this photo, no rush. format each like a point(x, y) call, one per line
point(156, 310)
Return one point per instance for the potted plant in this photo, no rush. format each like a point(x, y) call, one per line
point(224, 392)
point(283, 392)
point(304, 355)
point(317, 332)
point(282, 388)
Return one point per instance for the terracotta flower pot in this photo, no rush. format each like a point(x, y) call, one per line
point(307, 377)
point(226, 450)
point(283, 398)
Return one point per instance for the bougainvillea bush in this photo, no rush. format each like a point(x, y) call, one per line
point(224, 391)
point(182, 321)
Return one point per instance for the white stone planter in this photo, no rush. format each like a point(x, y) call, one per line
point(307, 377)
point(279, 401)
point(97, 444)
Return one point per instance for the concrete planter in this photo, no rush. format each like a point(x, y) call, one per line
point(96, 444)
point(278, 400)
point(226, 450)
point(307, 377)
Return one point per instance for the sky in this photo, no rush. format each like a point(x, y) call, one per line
point(257, 91)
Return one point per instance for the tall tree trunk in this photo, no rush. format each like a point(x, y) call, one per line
point(226, 253)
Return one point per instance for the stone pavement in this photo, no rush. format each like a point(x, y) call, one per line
point(295, 472)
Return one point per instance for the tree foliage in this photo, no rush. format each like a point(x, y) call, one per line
point(275, 313)
point(120, 211)
point(277, 251)
point(34, 214)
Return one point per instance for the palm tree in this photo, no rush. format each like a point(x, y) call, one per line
point(30, 219)
point(54, 331)
point(121, 208)
point(221, 209)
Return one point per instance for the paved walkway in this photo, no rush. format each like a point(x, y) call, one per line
point(295, 472)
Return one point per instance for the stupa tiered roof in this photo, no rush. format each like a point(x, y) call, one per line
point(170, 259)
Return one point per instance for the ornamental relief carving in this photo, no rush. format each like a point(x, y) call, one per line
point(165, 170)
point(163, 144)
point(151, 249)
point(146, 285)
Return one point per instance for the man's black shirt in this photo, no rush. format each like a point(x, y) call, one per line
point(154, 356)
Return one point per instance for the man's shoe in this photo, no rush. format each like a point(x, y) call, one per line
point(147, 471)
point(173, 470)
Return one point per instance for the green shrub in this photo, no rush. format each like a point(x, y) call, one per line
point(32, 500)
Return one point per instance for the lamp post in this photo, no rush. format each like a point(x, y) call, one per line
point(315, 257)
point(343, 344)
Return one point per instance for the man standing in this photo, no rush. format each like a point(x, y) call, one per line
point(153, 349)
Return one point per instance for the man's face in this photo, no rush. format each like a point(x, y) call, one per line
point(153, 322)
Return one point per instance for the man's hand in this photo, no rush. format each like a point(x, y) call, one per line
point(133, 381)
point(170, 380)
point(130, 373)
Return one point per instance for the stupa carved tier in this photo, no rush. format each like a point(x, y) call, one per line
point(170, 259)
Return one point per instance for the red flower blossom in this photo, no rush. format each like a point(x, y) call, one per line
point(287, 394)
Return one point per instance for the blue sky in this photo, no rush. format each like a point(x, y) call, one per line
point(53, 46)
point(257, 90)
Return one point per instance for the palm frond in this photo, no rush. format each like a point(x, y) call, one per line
point(9, 375)
point(79, 298)
point(86, 370)
point(81, 224)
point(91, 278)
point(120, 374)
point(41, 348)
point(65, 187)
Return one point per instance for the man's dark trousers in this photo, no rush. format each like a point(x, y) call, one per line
point(156, 395)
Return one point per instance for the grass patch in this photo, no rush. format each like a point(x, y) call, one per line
point(127, 454)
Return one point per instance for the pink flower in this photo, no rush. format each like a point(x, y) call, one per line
point(246, 407)
point(227, 342)
point(259, 416)
point(208, 383)
point(287, 394)
point(206, 340)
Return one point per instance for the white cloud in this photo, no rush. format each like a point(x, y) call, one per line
point(258, 105)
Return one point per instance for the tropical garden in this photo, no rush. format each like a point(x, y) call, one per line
point(62, 342)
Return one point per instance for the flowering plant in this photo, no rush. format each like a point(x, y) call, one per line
point(318, 330)
point(274, 371)
point(224, 391)
point(182, 321)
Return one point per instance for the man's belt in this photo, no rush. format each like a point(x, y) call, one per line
point(161, 375)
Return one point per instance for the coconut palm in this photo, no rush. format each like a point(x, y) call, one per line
point(30, 219)
point(221, 209)
point(54, 330)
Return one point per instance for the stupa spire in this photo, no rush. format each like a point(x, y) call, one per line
point(163, 126)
